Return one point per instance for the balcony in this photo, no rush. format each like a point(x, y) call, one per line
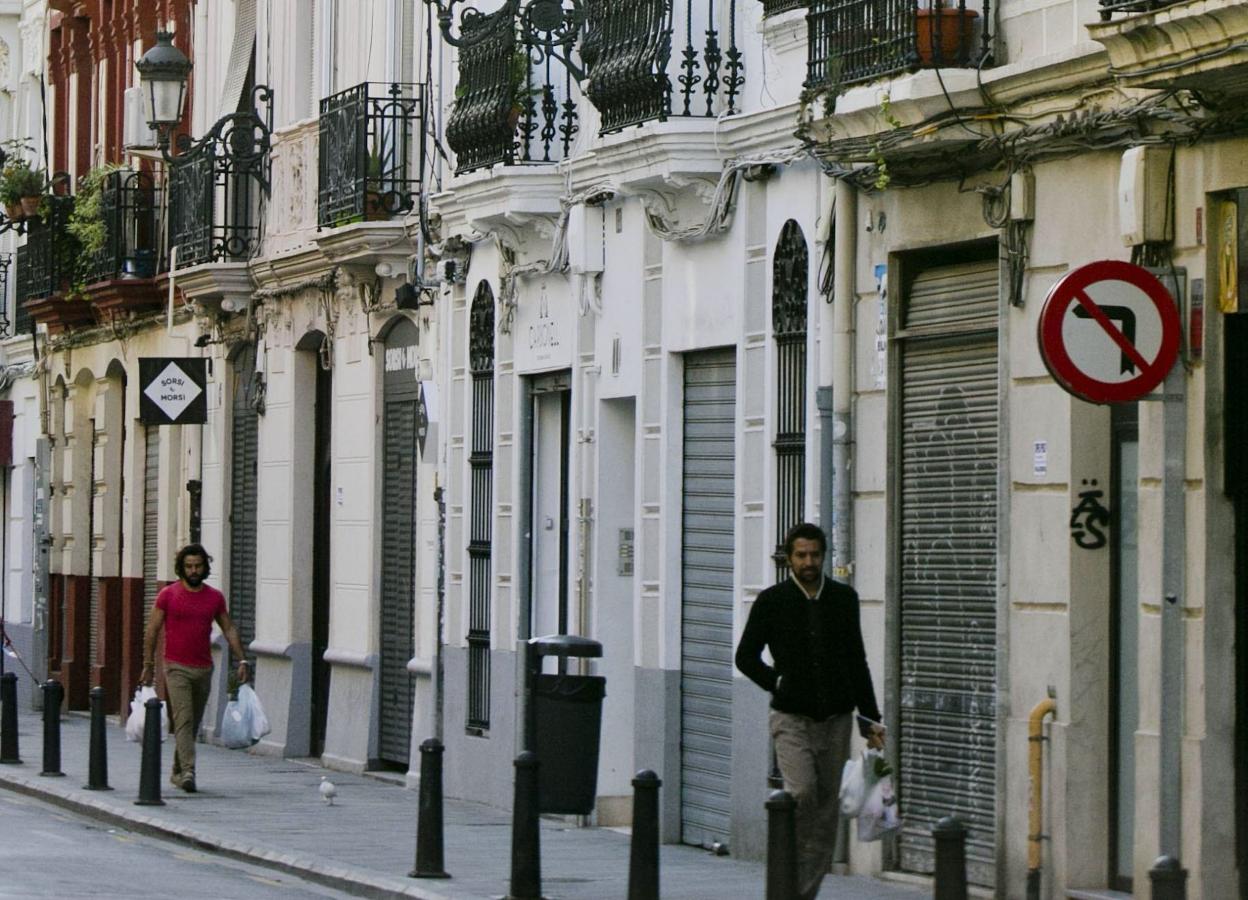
point(45, 271)
point(522, 75)
point(776, 7)
point(121, 275)
point(852, 41)
point(371, 147)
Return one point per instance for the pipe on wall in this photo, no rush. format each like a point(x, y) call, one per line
point(1035, 762)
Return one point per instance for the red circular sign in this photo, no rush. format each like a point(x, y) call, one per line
point(1109, 332)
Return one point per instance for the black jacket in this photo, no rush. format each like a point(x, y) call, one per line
point(817, 649)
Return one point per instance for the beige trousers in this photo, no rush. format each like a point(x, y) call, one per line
point(188, 688)
point(811, 755)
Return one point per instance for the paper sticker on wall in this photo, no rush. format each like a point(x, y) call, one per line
point(879, 368)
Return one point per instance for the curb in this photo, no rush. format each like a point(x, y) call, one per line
point(351, 881)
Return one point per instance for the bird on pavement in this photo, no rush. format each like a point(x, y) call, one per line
point(328, 791)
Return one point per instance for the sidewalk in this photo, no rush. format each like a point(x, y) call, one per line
point(268, 811)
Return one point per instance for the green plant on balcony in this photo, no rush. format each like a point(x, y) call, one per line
point(519, 87)
point(88, 225)
point(21, 185)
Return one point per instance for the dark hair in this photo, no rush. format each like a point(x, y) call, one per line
point(805, 531)
point(192, 550)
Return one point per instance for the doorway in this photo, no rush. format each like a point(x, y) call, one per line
point(321, 554)
point(549, 458)
point(1235, 418)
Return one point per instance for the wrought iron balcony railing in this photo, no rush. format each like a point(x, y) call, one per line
point(216, 187)
point(523, 68)
point(775, 7)
point(371, 153)
point(860, 40)
point(633, 77)
point(45, 265)
point(128, 203)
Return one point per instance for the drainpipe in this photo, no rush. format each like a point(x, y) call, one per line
point(836, 380)
point(1035, 737)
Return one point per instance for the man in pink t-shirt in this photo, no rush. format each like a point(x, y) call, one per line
point(185, 610)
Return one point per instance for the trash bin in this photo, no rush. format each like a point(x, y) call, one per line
point(564, 724)
point(569, 725)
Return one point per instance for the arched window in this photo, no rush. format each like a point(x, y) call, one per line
point(789, 278)
point(480, 530)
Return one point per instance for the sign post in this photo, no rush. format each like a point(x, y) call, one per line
point(1110, 333)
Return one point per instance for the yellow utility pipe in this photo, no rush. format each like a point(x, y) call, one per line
point(1035, 738)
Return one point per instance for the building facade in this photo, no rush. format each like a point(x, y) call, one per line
point(553, 318)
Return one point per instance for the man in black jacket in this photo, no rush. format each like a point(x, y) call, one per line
point(810, 625)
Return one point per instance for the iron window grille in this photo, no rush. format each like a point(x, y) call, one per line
point(851, 41)
point(45, 265)
point(217, 185)
point(128, 204)
point(481, 506)
point(371, 153)
point(6, 317)
point(789, 280)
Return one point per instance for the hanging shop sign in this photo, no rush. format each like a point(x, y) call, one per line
point(1109, 332)
point(172, 390)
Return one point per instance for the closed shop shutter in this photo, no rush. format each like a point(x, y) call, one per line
point(93, 583)
point(151, 517)
point(398, 578)
point(244, 462)
point(948, 555)
point(707, 534)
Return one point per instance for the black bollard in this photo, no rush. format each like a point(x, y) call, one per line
point(526, 841)
point(97, 763)
point(149, 770)
point(950, 880)
point(1168, 879)
point(429, 862)
point(53, 695)
point(781, 846)
point(643, 854)
point(8, 718)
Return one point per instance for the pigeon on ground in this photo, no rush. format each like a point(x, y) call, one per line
point(328, 791)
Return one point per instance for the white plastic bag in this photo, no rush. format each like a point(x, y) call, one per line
point(236, 724)
point(879, 815)
point(259, 722)
point(853, 788)
point(137, 719)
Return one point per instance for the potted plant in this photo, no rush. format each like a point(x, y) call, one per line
point(21, 188)
point(943, 34)
point(86, 222)
point(520, 90)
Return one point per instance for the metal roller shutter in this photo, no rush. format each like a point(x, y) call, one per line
point(398, 580)
point(151, 518)
point(707, 535)
point(949, 463)
point(244, 461)
point(93, 583)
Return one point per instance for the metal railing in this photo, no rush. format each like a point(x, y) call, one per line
point(860, 40)
point(789, 291)
point(371, 145)
point(216, 188)
point(128, 205)
point(633, 75)
point(45, 265)
point(775, 7)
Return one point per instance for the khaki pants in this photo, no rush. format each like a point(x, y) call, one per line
point(811, 755)
point(188, 690)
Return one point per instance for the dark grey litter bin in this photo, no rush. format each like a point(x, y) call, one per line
point(569, 725)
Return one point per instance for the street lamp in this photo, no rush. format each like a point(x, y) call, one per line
point(163, 72)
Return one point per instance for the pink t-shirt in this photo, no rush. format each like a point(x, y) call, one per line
point(188, 623)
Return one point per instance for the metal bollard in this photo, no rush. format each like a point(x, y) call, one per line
point(526, 840)
point(97, 763)
point(950, 881)
point(53, 696)
point(781, 846)
point(429, 858)
point(1168, 879)
point(149, 769)
point(643, 853)
point(8, 718)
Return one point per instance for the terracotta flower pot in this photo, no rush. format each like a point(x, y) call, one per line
point(943, 36)
point(30, 205)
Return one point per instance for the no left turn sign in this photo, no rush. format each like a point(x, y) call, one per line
point(1109, 332)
